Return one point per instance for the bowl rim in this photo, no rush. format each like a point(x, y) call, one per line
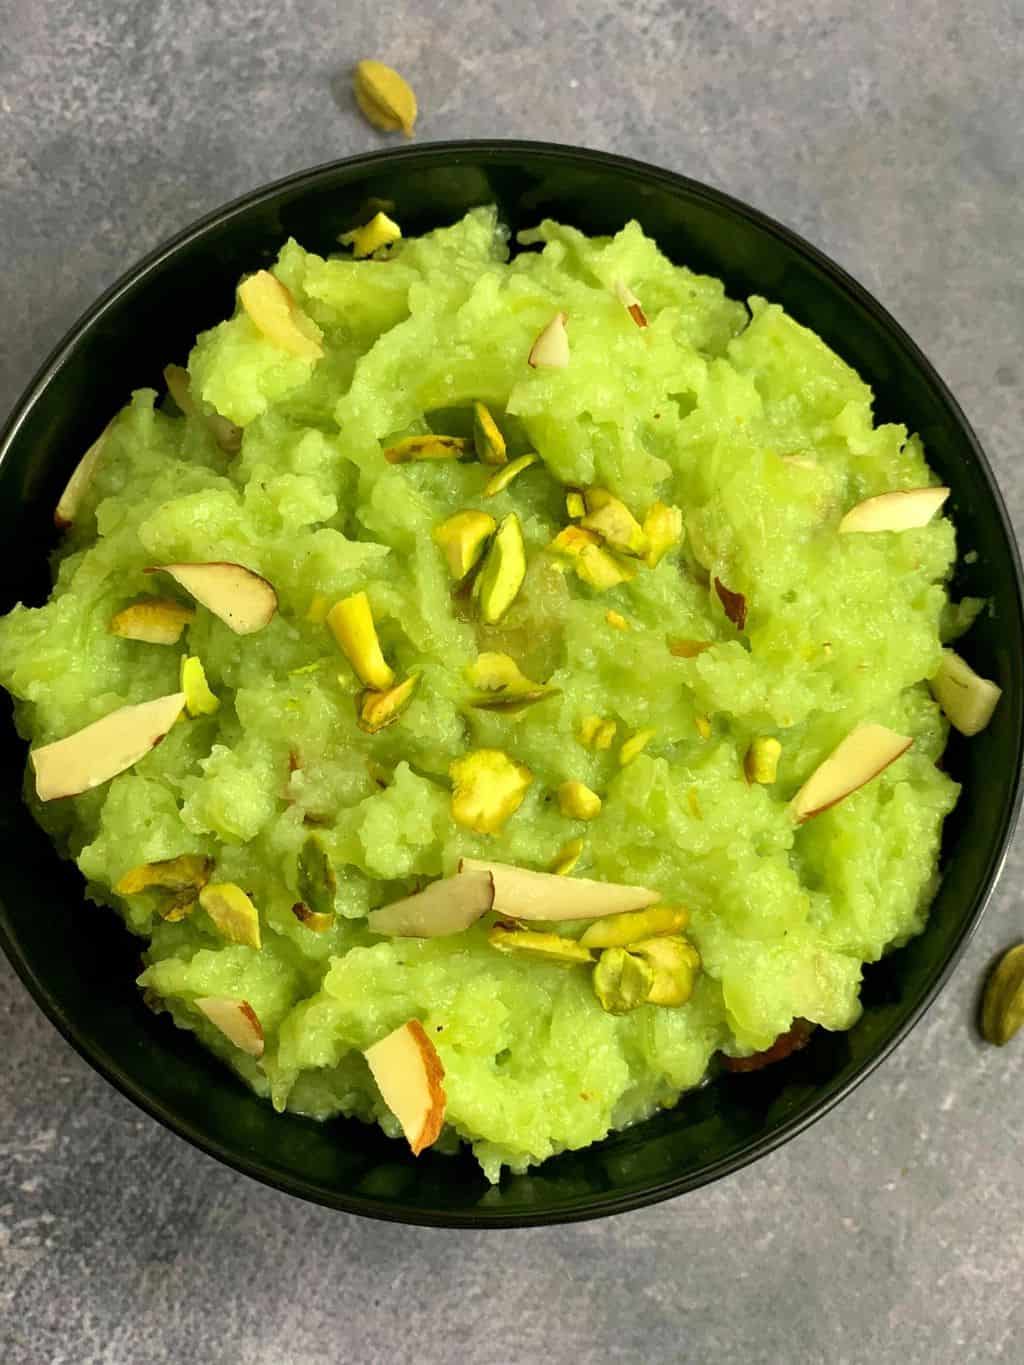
point(499, 149)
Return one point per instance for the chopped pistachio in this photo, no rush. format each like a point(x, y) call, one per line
point(572, 541)
point(494, 672)
point(663, 527)
point(600, 569)
point(379, 231)
point(616, 620)
point(497, 483)
point(1002, 1009)
point(463, 538)
point(676, 963)
point(612, 520)
point(577, 801)
point(385, 98)
point(154, 620)
point(318, 883)
point(178, 880)
point(688, 649)
point(761, 763)
point(503, 571)
point(538, 946)
point(619, 931)
point(575, 507)
point(233, 914)
point(274, 313)
point(550, 351)
point(319, 606)
point(634, 745)
point(621, 981)
point(188, 870)
point(199, 700)
point(703, 724)
point(428, 447)
point(567, 857)
point(605, 736)
point(380, 709)
point(311, 919)
point(488, 788)
point(351, 624)
point(488, 441)
point(597, 733)
point(504, 686)
point(589, 726)
point(510, 704)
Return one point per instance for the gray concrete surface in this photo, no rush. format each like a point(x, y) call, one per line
point(892, 136)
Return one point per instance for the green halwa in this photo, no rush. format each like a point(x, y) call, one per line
point(744, 421)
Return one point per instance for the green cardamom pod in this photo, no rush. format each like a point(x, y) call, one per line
point(385, 97)
point(1002, 1008)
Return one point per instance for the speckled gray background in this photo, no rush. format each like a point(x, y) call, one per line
point(890, 134)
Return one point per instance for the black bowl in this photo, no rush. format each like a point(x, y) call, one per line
point(81, 966)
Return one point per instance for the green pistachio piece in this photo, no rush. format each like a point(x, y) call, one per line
point(488, 441)
point(675, 964)
point(538, 946)
point(503, 572)
point(379, 709)
point(317, 881)
point(632, 926)
point(497, 483)
point(233, 913)
point(610, 518)
point(463, 538)
point(621, 981)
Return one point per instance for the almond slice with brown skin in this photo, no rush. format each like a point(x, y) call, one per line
point(865, 752)
point(100, 751)
point(236, 1019)
point(526, 895)
point(410, 1077)
point(445, 907)
point(238, 596)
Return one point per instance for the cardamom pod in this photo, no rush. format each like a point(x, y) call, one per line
point(385, 97)
point(1002, 1008)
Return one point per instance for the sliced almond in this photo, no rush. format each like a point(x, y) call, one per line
point(734, 604)
point(238, 596)
point(236, 1019)
point(100, 751)
point(78, 485)
point(967, 699)
point(863, 754)
point(410, 1078)
point(225, 433)
point(901, 510)
point(445, 907)
point(526, 895)
point(155, 621)
point(551, 349)
point(274, 313)
point(631, 303)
